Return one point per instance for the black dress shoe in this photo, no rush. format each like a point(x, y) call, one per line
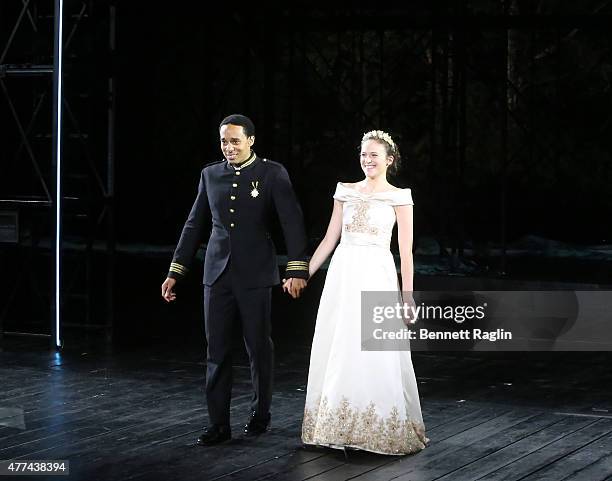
point(256, 425)
point(214, 435)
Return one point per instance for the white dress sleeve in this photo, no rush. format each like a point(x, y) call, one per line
point(341, 192)
point(401, 197)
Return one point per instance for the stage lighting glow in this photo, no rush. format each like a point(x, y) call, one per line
point(58, 173)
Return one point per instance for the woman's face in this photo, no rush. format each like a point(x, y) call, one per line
point(374, 159)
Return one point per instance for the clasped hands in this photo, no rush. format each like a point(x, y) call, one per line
point(294, 286)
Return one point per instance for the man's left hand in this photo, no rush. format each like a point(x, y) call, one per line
point(294, 286)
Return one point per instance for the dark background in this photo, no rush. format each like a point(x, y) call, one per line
point(502, 111)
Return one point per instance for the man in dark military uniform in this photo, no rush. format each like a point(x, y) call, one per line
point(241, 195)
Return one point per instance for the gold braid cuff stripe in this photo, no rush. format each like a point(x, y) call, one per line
point(178, 268)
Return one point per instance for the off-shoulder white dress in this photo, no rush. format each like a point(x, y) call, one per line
point(367, 400)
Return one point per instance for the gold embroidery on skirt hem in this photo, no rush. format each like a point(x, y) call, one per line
point(350, 427)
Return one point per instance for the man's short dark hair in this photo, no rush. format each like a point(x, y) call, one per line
point(242, 120)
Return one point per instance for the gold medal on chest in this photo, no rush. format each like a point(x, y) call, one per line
point(255, 192)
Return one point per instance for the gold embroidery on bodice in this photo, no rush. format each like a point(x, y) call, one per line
point(360, 220)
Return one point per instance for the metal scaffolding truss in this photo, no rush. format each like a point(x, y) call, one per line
point(87, 176)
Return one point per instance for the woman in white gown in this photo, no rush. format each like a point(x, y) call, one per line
point(363, 399)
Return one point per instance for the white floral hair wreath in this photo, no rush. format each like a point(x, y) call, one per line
point(379, 135)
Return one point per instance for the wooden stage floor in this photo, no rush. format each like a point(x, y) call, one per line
point(133, 413)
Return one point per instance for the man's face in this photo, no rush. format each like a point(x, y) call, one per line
point(235, 145)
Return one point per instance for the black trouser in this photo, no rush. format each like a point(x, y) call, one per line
point(224, 301)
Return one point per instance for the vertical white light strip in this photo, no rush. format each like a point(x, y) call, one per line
point(58, 185)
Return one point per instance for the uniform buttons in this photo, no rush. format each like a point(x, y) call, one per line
point(233, 197)
point(234, 185)
point(232, 211)
point(237, 172)
point(232, 224)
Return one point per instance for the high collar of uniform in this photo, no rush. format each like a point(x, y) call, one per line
point(252, 158)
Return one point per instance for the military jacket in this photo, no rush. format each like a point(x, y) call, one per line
point(241, 203)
